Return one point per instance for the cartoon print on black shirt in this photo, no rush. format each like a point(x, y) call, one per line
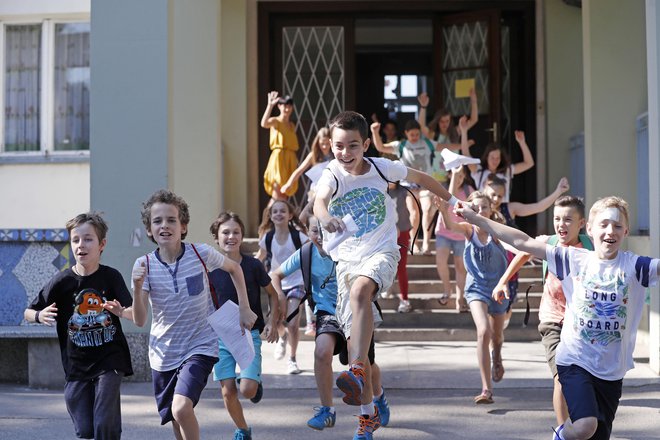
point(90, 325)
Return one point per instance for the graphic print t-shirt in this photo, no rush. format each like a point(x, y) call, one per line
point(373, 210)
point(604, 300)
point(91, 338)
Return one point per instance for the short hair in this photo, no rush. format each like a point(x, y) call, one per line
point(349, 120)
point(610, 202)
point(169, 198)
point(224, 217)
point(495, 180)
point(412, 125)
point(574, 202)
point(94, 219)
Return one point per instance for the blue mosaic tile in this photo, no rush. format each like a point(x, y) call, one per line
point(9, 234)
point(13, 294)
point(56, 235)
point(32, 235)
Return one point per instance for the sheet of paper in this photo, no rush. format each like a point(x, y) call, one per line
point(452, 160)
point(226, 323)
point(314, 173)
point(463, 87)
point(337, 238)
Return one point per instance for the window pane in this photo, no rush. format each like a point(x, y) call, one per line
point(71, 94)
point(22, 87)
point(409, 85)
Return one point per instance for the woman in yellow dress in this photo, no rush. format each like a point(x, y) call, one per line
point(283, 145)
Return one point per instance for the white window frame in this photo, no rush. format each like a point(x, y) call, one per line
point(47, 118)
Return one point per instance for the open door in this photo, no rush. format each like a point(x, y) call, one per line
point(467, 50)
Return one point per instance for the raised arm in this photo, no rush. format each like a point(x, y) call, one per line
point(423, 99)
point(518, 209)
point(378, 142)
point(465, 144)
point(247, 316)
point(474, 110)
point(266, 120)
point(528, 160)
point(514, 237)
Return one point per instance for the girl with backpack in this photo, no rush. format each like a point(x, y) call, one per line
point(280, 234)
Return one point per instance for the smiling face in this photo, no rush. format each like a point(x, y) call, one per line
point(494, 158)
point(85, 245)
point(325, 144)
point(280, 214)
point(496, 194)
point(567, 222)
point(481, 206)
point(413, 135)
point(607, 227)
point(349, 148)
point(443, 124)
point(285, 109)
point(230, 237)
point(165, 226)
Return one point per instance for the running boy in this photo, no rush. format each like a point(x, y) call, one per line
point(94, 350)
point(174, 279)
point(568, 220)
point(367, 261)
point(604, 292)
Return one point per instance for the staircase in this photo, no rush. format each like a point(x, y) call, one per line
point(431, 321)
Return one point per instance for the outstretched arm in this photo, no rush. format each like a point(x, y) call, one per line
point(518, 209)
point(428, 182)
point(304, 165)
point(528, 160)
point(378, 142)
point(443, 208)
point(502, 289)
point(514, 237)
point(266, 120)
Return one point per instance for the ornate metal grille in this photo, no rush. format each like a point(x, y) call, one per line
point(313, 74)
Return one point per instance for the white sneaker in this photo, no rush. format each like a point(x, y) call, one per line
point(293, 367)
point(404, 306)
point(280, 349)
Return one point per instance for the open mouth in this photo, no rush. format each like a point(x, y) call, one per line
point(562, 234)
point(609, 241)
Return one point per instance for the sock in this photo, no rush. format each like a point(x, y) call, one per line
point(558, 432)
point(292, 359)
point(368, 409)
point(332, 409)
point(380, 393)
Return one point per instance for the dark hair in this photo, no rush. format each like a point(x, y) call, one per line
point(349, 120)
point(571, 202)
point(452, 133)
point(267, 224)
point(224, 217)
point(169, 198)
point(94, 219)
point(494, 180)
point(285, 100)
point(412, 125)
point(504, 158)
point(467, 177)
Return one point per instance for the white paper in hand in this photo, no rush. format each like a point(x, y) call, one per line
point(334, 239)
point(226, 323)
point(452, 160)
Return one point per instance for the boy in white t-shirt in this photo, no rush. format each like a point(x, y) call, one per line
point(605, 291)
point(367, 261)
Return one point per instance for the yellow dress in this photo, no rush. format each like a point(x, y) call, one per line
point(283, 159)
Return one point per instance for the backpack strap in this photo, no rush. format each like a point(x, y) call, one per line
point(306, 269)
point(402, 145)
point(214, 297)
point(295, 236)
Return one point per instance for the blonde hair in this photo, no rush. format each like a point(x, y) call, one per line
point(609, 202)
point(494, 215)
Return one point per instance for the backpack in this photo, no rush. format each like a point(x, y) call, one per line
point(295, 236)
point(306, 269)
point(380, 173)
point(428, 143)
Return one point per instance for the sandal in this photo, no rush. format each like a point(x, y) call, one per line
point(486, 397)
point(443, 299)
point(497, 369)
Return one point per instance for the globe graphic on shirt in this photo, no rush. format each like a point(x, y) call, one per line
point(366, 206)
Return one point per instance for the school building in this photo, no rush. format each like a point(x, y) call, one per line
point(107, 101)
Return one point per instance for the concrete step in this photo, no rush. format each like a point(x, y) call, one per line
point(434, 285)
point(445, 318)
point(429, 271)
point(511, 334)
point(430, 301)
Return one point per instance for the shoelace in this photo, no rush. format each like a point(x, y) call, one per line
point(368, 422)
point(358, 370)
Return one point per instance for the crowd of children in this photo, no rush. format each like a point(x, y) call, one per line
point(335, 262)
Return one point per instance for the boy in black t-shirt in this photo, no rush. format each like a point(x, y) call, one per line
point(85, 303)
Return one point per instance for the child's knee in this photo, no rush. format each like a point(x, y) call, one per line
point(249, 388)
point(229, 390)
point(586, 427)
point(323, 355)
point(182, 407)
point(485, 332)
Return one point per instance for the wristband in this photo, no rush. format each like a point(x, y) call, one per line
point(423, 106)
point(453, 201)
point(36, 317)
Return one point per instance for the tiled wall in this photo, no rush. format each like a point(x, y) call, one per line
point(28, 259)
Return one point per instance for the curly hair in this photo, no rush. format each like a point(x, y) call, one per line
point(169, 198)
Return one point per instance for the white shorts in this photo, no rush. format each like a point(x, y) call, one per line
point(380, 268)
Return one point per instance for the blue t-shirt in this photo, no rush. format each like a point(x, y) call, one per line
point(323, 272)
point(255, 278)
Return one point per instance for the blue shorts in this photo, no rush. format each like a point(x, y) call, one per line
point(588, 396)
point(457, 247)
point(188, 380)
point(494, 308)
point(226, 366)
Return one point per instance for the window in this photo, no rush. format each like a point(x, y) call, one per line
point(400, 94)
point(45, 86)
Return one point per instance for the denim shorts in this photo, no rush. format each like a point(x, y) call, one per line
point(494, 308)
point(457, 247)
point(226, 366)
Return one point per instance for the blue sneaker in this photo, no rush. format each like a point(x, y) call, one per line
point(557, 432)
point(351, 382)
point(366, 427)
point(243, 434)
point(322, 419)
point(383, 409)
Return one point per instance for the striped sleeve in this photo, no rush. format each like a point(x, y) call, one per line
point(646, 271)
point(558, 261)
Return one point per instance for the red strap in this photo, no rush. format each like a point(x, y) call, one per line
point(214, 297)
